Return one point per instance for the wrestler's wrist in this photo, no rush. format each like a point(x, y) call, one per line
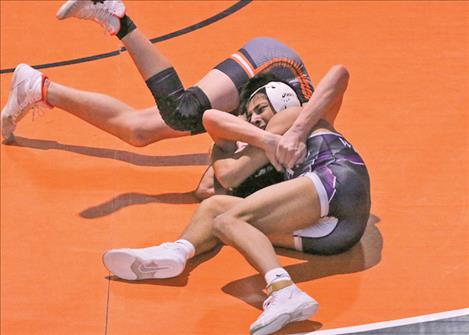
point(299, 132)
point(268, 140)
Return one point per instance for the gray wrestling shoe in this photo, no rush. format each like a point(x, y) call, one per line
point(106, 13)
point(163, 261)
point(286, 305)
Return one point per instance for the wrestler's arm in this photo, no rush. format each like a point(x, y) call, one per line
point(208, 185)
point(329, 92)
point(223, 126)
point(231, 169)
point(325, 100)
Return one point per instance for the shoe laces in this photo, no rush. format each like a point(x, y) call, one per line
point(25, 105)
point(270, 301)
point(37, 112)
point(98, 12)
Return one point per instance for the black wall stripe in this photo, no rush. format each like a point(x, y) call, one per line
point(204, 23)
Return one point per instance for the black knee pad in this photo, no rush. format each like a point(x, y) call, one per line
point(180, 109)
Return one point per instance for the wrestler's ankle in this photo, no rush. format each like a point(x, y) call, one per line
point(126, 27)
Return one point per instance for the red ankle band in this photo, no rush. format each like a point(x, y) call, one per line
point(44, 89)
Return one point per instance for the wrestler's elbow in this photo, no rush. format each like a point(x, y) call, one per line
point(226, 178)
point(210, 119)
point(341, 69)
point(203, 192)
point(342, 73)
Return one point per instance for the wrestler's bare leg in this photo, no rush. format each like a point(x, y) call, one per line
point(136, 127)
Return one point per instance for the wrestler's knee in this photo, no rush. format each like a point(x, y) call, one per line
point(224, 227)
point(180, 109)
point(184, 113)
point(215, 204)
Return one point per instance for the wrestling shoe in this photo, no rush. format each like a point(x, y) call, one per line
point(164, 261)
point(106, 13)
point(26, 92)
point(286, 305)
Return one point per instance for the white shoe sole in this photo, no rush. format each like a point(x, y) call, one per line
point(127, 265)
point(303, 312)
point(8, 127)
point(67, 7)
point(7, 120)
point(63, 11)
point(8, 135)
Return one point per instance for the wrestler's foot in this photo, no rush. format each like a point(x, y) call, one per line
point(26, 92)
point(281, 307)
point(106, 13)
point(164, 261)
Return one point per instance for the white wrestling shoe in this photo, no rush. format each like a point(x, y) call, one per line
point(26, 92)
point(163, 261)
point(286, 305)
point(106, 13)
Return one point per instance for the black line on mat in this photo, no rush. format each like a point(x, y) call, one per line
point(230, 10)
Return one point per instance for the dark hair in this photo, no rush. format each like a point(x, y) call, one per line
point(253, 84)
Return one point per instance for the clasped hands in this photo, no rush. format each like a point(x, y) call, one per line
point(285, 152)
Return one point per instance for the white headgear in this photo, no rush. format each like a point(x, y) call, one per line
point(280, 95)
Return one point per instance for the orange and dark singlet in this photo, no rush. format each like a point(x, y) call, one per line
point(265, 54)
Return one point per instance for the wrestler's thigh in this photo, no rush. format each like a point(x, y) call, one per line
point(220, 90)
point(282, 207)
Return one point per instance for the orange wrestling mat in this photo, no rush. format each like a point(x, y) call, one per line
point(69, 191)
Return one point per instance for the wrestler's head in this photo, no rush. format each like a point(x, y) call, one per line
point(264, 96)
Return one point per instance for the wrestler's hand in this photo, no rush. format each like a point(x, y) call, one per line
point(291, 149)
point(270, 143)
